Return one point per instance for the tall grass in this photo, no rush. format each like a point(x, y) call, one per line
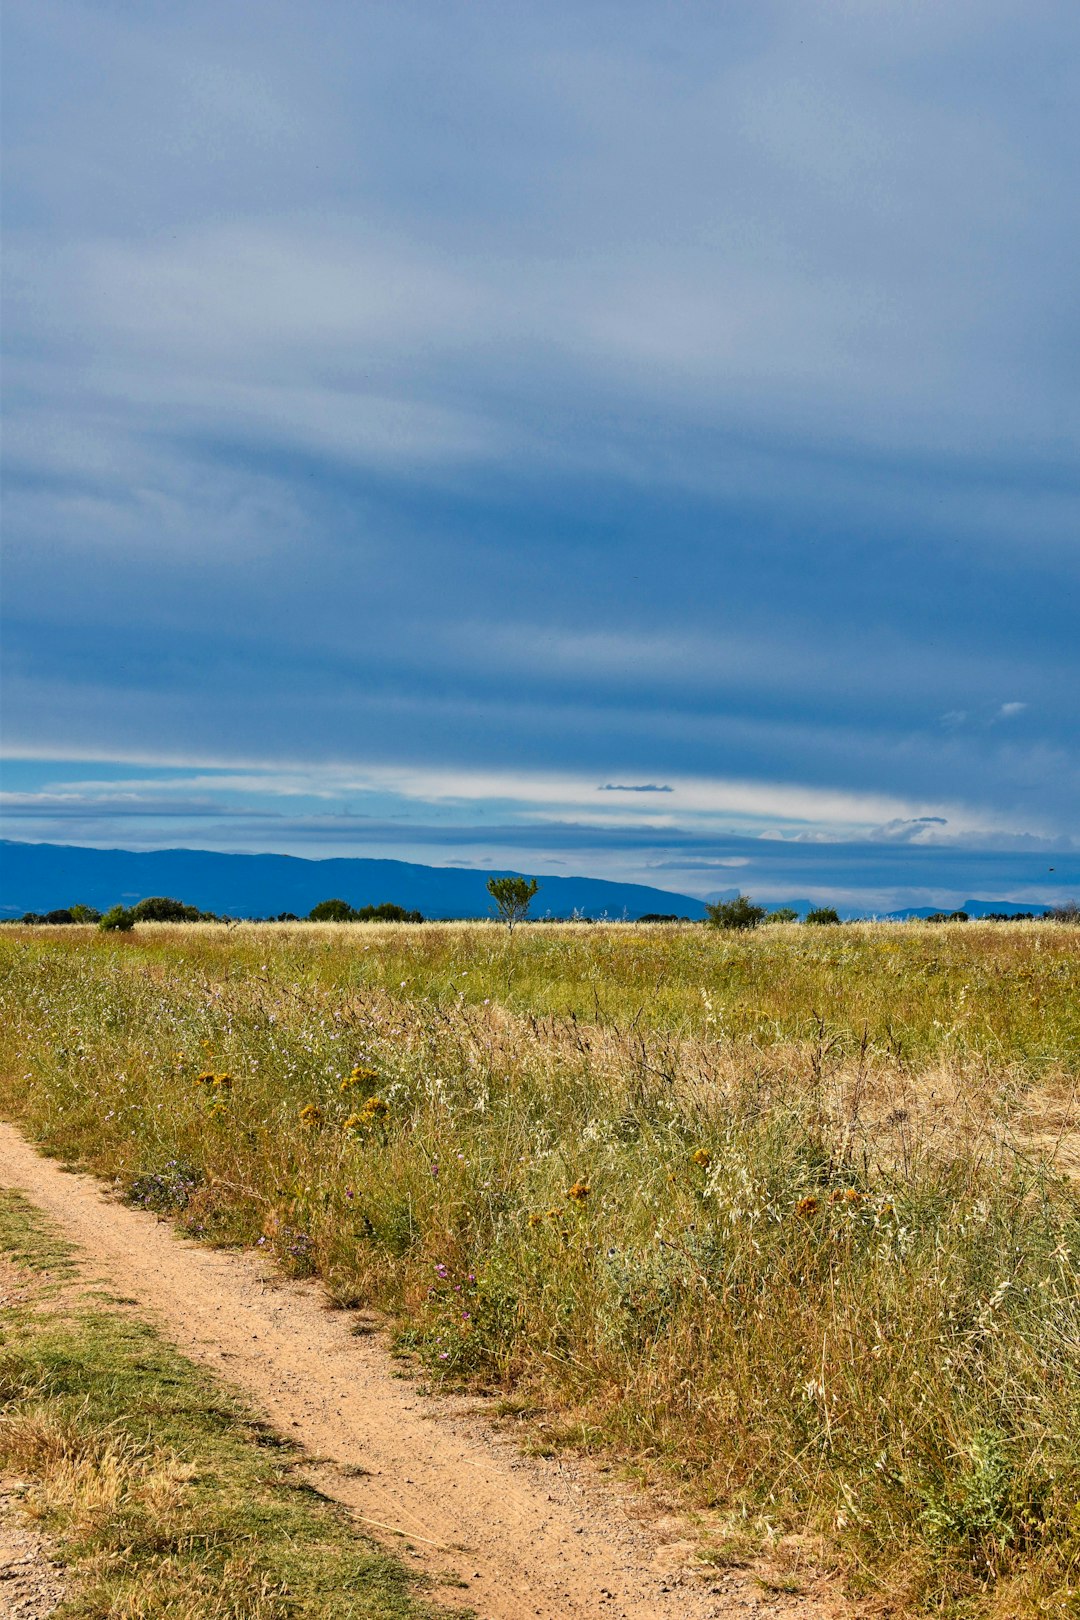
point(771, 1213)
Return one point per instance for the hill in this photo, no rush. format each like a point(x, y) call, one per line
point(44, 877)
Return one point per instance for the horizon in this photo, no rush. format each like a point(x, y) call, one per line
point(605, 443)
point(972, 904)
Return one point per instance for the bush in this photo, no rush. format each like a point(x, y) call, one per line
point(118, 919)
point(85, 914)
point(823, 915)
point(332, 911)
point(738, 913)
point(1067, 912)
point(948, 916)
point(159, 908)
point(387, 912)
point(782, 914)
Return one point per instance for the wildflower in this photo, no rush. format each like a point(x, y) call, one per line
point(311, 1114)
point(222, 1082)
point(535, 1219)
point(845, 1195)
point(360, 1075)
point(206, 1078)
point(353, 1123)
point(579, 1192)
point(806, 1207)
point(701, 1157)
point(218, 1110)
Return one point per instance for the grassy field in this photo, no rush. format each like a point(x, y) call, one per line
point(788, 1216)
point(165, 1499)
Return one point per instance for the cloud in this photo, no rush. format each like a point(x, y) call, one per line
point(454, 410)
point(635, 787)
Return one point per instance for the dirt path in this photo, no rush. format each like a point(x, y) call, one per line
point(527, 1537)
point(31, 1584)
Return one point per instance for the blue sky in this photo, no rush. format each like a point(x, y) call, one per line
point(429, 425)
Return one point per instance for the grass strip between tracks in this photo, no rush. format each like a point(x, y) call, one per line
point(165, 1498)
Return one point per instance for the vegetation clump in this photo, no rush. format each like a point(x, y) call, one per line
point(117, 920)
point(341, 911)
point(740, 913)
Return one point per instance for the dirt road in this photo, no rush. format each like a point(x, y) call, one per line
point(527, 1537)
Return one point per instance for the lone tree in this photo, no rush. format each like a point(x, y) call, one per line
point(823, 915)
point(513, 896)
point(738, 913)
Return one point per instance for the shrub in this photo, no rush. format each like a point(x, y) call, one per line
point(738, 913)
point(387, 912)
point(948, 916)
point(159, 908)
point(332, 911)
point(1067, 912)
point(822, 915)
point(85, 914)
point(118, 919)
point(782, 914)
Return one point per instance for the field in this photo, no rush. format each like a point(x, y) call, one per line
point(790, 1217)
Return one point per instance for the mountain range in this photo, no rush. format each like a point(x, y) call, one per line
point(46, 877)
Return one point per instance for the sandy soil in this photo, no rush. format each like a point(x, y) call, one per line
point(31, 1585)
point(429, 1476)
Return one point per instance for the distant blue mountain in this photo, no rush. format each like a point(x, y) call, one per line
point(45, 877)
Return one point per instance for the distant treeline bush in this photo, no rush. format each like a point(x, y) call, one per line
point(738, 913)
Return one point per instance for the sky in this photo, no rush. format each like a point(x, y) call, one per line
point(636, 440)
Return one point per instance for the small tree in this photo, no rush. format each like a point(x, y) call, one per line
point(823, 914)
point(783, 914)
point(738, 913)
point(117, 920)
point(332, 911)
point(513, 896)
point(160, 908)
point(85, 914)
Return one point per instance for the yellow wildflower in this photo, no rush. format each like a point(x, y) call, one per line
point(701, 1157)
point(361, 1075)
point(311, 1114)
point(806, 1207)
point(579, 1192)
point(535, 1219)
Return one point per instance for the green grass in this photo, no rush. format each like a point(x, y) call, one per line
point(166, 1499)
point(822, 1265)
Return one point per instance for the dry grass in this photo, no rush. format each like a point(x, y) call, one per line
point(781, 1214)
